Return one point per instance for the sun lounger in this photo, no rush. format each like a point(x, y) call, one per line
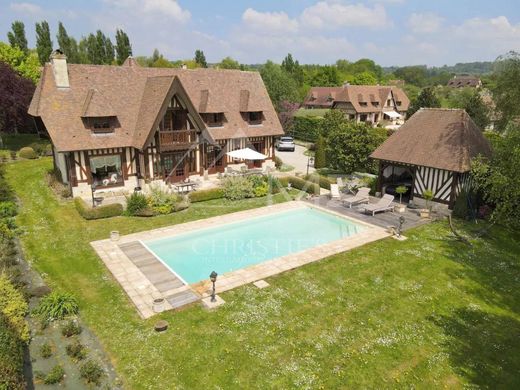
point(334, 191)
point(384, 204)
point(360, 197)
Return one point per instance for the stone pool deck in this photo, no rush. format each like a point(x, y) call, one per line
point(144, 277)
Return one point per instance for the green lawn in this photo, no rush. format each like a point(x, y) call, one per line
point(427, 312)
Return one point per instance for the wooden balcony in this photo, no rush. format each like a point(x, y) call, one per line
point(176, 139)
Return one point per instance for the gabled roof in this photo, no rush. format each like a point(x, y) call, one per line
point(464, 81)
point(136, 95)
point(356, 94)
point(437, 138)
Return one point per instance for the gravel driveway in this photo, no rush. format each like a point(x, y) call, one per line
point(297, 159)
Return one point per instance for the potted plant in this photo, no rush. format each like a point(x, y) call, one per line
point(428, 196)
point(401, 190)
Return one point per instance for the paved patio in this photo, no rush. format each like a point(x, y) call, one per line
point(383, 220)
point(144, 277)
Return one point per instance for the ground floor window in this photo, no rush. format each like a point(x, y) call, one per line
point(106, 170)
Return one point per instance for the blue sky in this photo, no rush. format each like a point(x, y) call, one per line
point(392, 32)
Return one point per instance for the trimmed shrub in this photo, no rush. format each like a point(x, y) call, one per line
point(91, 371)
point(8, 209)
point(209, 194)
point(320, 156)
point(11, 357)
point(28, 153)
point(136, 203)
point(14, 308)
point(278, 162)
point(237, 188)
point(71, 328)
point(56, 306)
point(160, 201)
point(304, 185)
point(306, 128)
point(76, 350)
point(322, 181)
point(54, 376)
point(107, 211)
point(39, 148)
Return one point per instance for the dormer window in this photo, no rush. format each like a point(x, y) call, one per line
point(214, 119)
point(375, 104)
point(389, 102)
point(101, 125)
point(398, 102)
point(363, 104)
point(254, 117)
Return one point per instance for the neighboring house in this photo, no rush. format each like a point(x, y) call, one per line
point(362, 103)
point(465, 81)
point(432, 150)
point(125, 126)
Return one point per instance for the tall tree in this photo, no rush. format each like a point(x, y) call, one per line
point(43, 41)
point(293, 68)
point(105, 48)
point(123, 47)
point(17, 36)
point(326, 76)
point(426, 99)
point(200, 58)
point(506, 93)
point(67, 44)
point(280, 86)
point(15, 96)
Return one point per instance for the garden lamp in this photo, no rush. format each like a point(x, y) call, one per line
point(213, 278)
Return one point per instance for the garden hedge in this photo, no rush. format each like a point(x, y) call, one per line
point(306, 128)
point(209, 194)
point(28, 152)
point(11, 357)
point(298, 183)
point(107, 211)
point(322, 181)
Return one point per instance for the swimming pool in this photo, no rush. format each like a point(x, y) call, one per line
point(229, 247)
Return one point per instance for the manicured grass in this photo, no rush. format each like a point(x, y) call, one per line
point(428, 312)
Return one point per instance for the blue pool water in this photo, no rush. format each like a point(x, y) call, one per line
point(237, 245)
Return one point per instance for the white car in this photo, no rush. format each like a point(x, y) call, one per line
point(285, 143)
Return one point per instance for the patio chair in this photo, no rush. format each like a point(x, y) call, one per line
point(339, 182)
point(362, 196)
point(334, 192)
point(384, 204)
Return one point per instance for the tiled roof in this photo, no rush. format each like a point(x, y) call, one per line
point(136, 95)
point(437, 138)
point(356, 94)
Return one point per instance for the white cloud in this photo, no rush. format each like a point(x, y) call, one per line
point(269, 22)
point(426, 23)
point(26, 8)
point(332, 15)
point(167, 8)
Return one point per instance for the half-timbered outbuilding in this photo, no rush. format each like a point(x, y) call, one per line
point(432, 150)
point(124, 126)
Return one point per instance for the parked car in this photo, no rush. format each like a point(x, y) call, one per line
point(285, 143)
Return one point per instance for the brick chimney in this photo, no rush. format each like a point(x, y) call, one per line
point(59, 69)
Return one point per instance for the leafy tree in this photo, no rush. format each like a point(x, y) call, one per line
point(155, 55)
point(470, 100)
point(320, 153)
point(349, 145)
point(426, 99)
point(326, 76)
point(43, 41)
point(200, 58)
point(161, 62)
point(415, 75)
point(498, 178)
point(506, 93)
point(15, 96)
point(123, 47)
point(280, 86)
point(229, 63)
point(99, 49)
point(27, 66)
point(364, 78)
point(68, 45)
point(332, 120)
point(293, 68)
point(286, 114)
point(17, 36)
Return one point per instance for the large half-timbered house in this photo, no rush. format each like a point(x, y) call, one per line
point(124, 126)
point(432, 150)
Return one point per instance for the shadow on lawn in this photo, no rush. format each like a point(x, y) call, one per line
point(484, 348)
point(483, 339)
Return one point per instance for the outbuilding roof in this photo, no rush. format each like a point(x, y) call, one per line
point(437, 138)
